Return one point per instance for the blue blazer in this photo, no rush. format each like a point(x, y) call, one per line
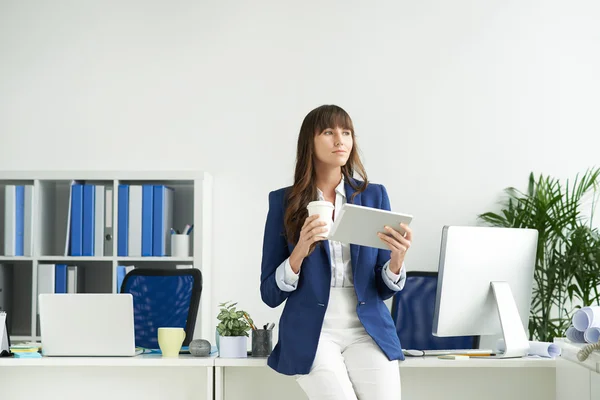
point(302, 317)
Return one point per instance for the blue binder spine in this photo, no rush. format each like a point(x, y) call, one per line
point(76, 219)
point(147, 219)
point(60, 278)
point(20, 220)
point(159, 220)
point(89, 211)
point(123, 221)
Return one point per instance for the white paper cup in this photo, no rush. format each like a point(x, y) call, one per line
point(325, 211)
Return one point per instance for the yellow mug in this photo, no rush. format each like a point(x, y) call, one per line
point(170, 341)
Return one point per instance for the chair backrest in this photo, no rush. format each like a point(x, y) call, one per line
point(412, 312)
point(163, 298)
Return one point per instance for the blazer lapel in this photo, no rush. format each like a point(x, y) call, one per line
point(325, 245)
point(322, 276)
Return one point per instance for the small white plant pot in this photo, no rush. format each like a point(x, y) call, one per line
point(233, 346)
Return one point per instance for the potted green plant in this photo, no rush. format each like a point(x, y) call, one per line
point(233, 330)
point(567, 271)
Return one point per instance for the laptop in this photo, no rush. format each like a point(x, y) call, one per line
point(86, 324)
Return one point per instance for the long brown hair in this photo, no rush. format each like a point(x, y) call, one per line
point(305, 189)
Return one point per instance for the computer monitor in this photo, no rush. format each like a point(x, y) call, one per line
point(485, 283)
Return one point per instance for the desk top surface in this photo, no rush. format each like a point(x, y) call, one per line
point(144, 360)
point(419, 362)
point(570, 350)
point(155, 360)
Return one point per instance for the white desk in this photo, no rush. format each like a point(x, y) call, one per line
point(577, 379)
point(153, 377)
point(422, 378)
point(148, 377)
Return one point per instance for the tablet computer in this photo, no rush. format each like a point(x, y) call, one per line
point(359, 225)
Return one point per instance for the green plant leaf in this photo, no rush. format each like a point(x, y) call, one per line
point(568, 252)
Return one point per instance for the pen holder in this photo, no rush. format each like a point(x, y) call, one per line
point(262, 342)
point(180, 245)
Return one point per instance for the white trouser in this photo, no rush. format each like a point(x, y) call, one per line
point(349, 364)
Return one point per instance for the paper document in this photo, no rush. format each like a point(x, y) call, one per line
point(575, 335)
point(586, 317)
point(542, 349)
point(592, 334)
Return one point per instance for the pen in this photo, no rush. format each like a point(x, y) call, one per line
point(476, 355)
point(271, 325)
point(185, 230)
point(190, 230)
point(172, 231)
point(249, 323)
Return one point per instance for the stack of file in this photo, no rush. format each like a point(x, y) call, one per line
point(144, 220)
point(60, 278)
point(90, 220)
point(18, 220)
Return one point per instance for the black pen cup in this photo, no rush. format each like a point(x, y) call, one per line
point(262, 342)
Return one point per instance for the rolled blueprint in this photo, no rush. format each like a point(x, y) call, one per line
point(575, 335)
point(542, 349)
point(591, 335)
point(586, 317)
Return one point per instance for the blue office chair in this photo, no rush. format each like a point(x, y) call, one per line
point(412, 312)
point(163, 298)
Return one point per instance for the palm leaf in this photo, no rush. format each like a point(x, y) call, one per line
point(567, 261)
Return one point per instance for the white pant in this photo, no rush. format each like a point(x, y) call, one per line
point(349, 364)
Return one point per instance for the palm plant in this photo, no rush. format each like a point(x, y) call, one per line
point(567, 267)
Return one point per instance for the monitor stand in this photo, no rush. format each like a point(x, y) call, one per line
point(515, 339)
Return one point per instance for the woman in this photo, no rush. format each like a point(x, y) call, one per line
point(336, 334)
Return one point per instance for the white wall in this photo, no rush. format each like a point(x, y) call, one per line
point(452, 101)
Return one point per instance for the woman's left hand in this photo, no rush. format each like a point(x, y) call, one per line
point(398, 245)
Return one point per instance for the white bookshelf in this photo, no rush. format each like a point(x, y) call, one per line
point(192, 204)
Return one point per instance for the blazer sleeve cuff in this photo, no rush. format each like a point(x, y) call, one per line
point(286, 279)
point(394, 281)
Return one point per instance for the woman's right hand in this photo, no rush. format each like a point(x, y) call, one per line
point(308, 235)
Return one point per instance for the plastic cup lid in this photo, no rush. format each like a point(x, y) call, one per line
point(320, 203)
